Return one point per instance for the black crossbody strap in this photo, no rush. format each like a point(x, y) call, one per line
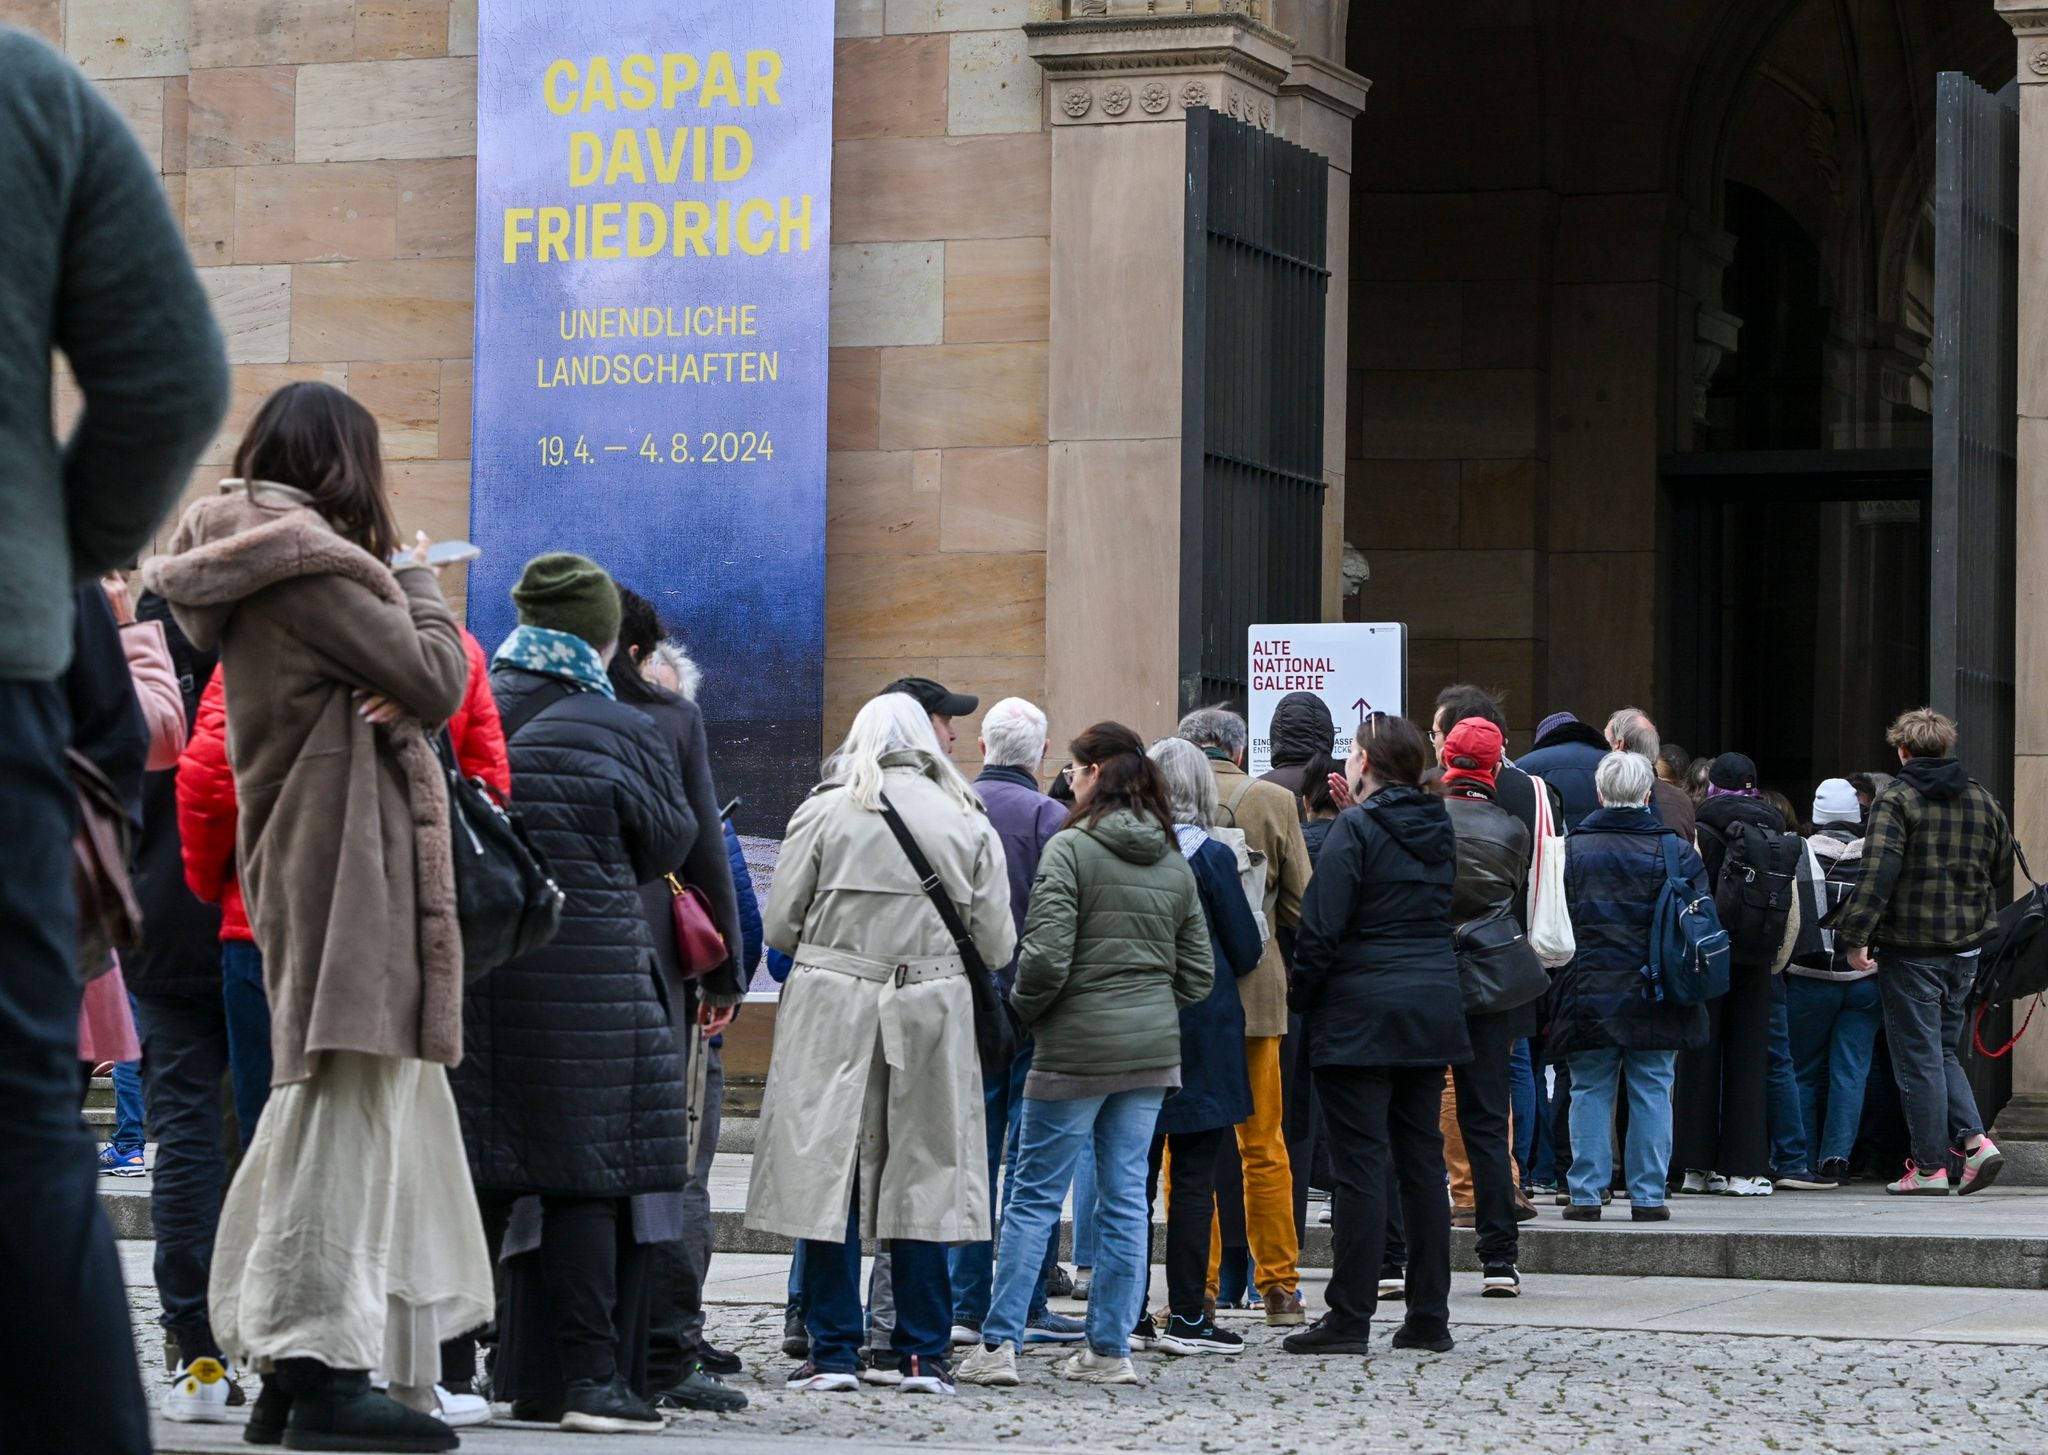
point(934, 888)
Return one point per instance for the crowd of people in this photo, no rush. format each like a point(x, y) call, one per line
point(1426, 979)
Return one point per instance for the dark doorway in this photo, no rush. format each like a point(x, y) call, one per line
point(1798, 615)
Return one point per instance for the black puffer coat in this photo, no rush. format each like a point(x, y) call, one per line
point(571, 1081)
point(1375, 978)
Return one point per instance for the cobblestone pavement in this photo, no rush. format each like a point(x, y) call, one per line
point(1503, 1389)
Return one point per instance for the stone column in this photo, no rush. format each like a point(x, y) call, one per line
point(2025, 1117)
point(1119, 83)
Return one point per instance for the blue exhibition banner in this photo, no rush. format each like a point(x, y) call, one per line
point(652, 266)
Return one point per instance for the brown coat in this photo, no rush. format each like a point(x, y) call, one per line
point(343, 842)
point(1271, 820)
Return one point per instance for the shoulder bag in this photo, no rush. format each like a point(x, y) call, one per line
point(1550, 918)
point(994, 1038)
point(1498, 969)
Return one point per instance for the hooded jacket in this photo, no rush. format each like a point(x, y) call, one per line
point(572, 1080)
point(1301, 733)
point(1215, 1083)
point(1937, 864)
point(1114, 945)
point(347, 866)
point(1566, 758)
point(1375, 977)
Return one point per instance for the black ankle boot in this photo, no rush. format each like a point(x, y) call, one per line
point(268, 1415)
point(335, 1409)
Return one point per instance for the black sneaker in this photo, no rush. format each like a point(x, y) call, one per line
point(700, 1389)
point(722, 1362)
point(1500, 1280)
point(537, 1411)
point(1326, 1337)
point(1436, 1341)
point(1059, 1283)
point(1653, 1213)
point(1197, 1336)
point(1144, 1335)
point(796, 1339)
point(610, 1408)
point(1835, 1170)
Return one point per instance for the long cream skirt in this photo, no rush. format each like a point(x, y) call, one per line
point(351, 1232)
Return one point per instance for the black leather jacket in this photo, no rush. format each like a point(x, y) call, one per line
point(1493, 856)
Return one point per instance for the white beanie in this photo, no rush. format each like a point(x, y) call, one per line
point(1835, 802)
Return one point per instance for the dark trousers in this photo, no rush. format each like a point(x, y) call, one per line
point(1721, 1108)
point(1377, 1115)
point(248, 1020)
point(832, 1302)
point(184, 1052)
point(576, 1308)
point(676, 1271)
point(1483, 1101)
point(62, 1287)
point(1922, 996)
point(1190, 1213)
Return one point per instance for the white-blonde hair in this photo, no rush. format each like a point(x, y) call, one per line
point(893, 723)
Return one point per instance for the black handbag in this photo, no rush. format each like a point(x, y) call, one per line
point(506, 897)
point(995, 1036)
point(1498, 969)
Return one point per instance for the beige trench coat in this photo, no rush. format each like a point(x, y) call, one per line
point(874, 1084)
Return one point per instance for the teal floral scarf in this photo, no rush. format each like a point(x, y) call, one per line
point(555, 654)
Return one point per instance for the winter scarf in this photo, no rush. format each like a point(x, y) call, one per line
point(555, 654)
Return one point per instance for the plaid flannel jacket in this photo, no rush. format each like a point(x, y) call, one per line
point(1935, 872)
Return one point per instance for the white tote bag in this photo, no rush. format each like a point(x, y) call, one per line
point(1550, 919)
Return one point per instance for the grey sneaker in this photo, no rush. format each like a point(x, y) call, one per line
point(1089, 1367)
point(1051, 1328)
point(995, 1368)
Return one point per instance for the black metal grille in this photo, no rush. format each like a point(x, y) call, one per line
point(1252, 457)
point(1974, 517)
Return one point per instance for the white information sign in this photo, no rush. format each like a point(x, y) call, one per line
point(1355, 667)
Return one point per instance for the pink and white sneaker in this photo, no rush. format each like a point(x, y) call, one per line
point(1980, 1168)
point(1920, 1183)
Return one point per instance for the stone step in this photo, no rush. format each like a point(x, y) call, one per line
point(1827, 1254)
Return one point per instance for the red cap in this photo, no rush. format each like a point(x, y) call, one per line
point(1472, 750)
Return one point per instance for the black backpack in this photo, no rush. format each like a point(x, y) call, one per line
point(1754, 891)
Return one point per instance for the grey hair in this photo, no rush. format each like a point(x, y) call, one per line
point(1190, 781)
point(1624, 779)
point(1213, 727)
point(1014, 731)
point(1632, 729)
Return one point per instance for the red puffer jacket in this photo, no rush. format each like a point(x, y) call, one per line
point(206, 785)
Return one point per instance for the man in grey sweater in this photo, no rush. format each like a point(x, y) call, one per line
point(92, 265)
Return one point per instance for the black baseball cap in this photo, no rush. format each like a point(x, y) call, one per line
point(933, 698)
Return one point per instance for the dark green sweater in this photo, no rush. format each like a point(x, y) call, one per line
point(91, 264)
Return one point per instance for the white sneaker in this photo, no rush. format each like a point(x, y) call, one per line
point(198, 1394)
point(458, 1411)
point(1748, 1187)
point(1089, 1367)
point(965, 1334)
point(925, 1378)
point(1695, 1181)
point(809, 1379)
point(995, 1368)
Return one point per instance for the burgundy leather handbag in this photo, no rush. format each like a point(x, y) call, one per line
point(700, 948)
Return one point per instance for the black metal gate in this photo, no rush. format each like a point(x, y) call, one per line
point(1973, 520)
point(1252, 396)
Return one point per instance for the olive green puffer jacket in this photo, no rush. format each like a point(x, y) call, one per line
point(1115, 943)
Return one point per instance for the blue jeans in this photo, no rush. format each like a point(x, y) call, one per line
point(1834, 1031)
point(248, 1013)
point(832, 1302)
point(1119, 1128)
point(1790, 1146)
point(1522, 1102)
point(972, 1265)
point(1084, 1208)
point(1647, 1077)
point(128, 1118)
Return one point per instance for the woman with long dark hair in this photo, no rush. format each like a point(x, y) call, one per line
point(350, 1238)
point(1376, 984)
point(1114, 945)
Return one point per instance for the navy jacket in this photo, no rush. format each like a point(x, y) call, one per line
point(1375, 978)
point(749, 906)
point(1215, 1089)
point(1025, 820)
point(1613, 875)
point(1566, 760)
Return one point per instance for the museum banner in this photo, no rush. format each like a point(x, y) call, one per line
point(652, 264)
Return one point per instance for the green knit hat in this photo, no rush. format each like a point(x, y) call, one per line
point(564, 592)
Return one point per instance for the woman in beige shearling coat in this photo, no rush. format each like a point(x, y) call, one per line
point(872, 1118)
